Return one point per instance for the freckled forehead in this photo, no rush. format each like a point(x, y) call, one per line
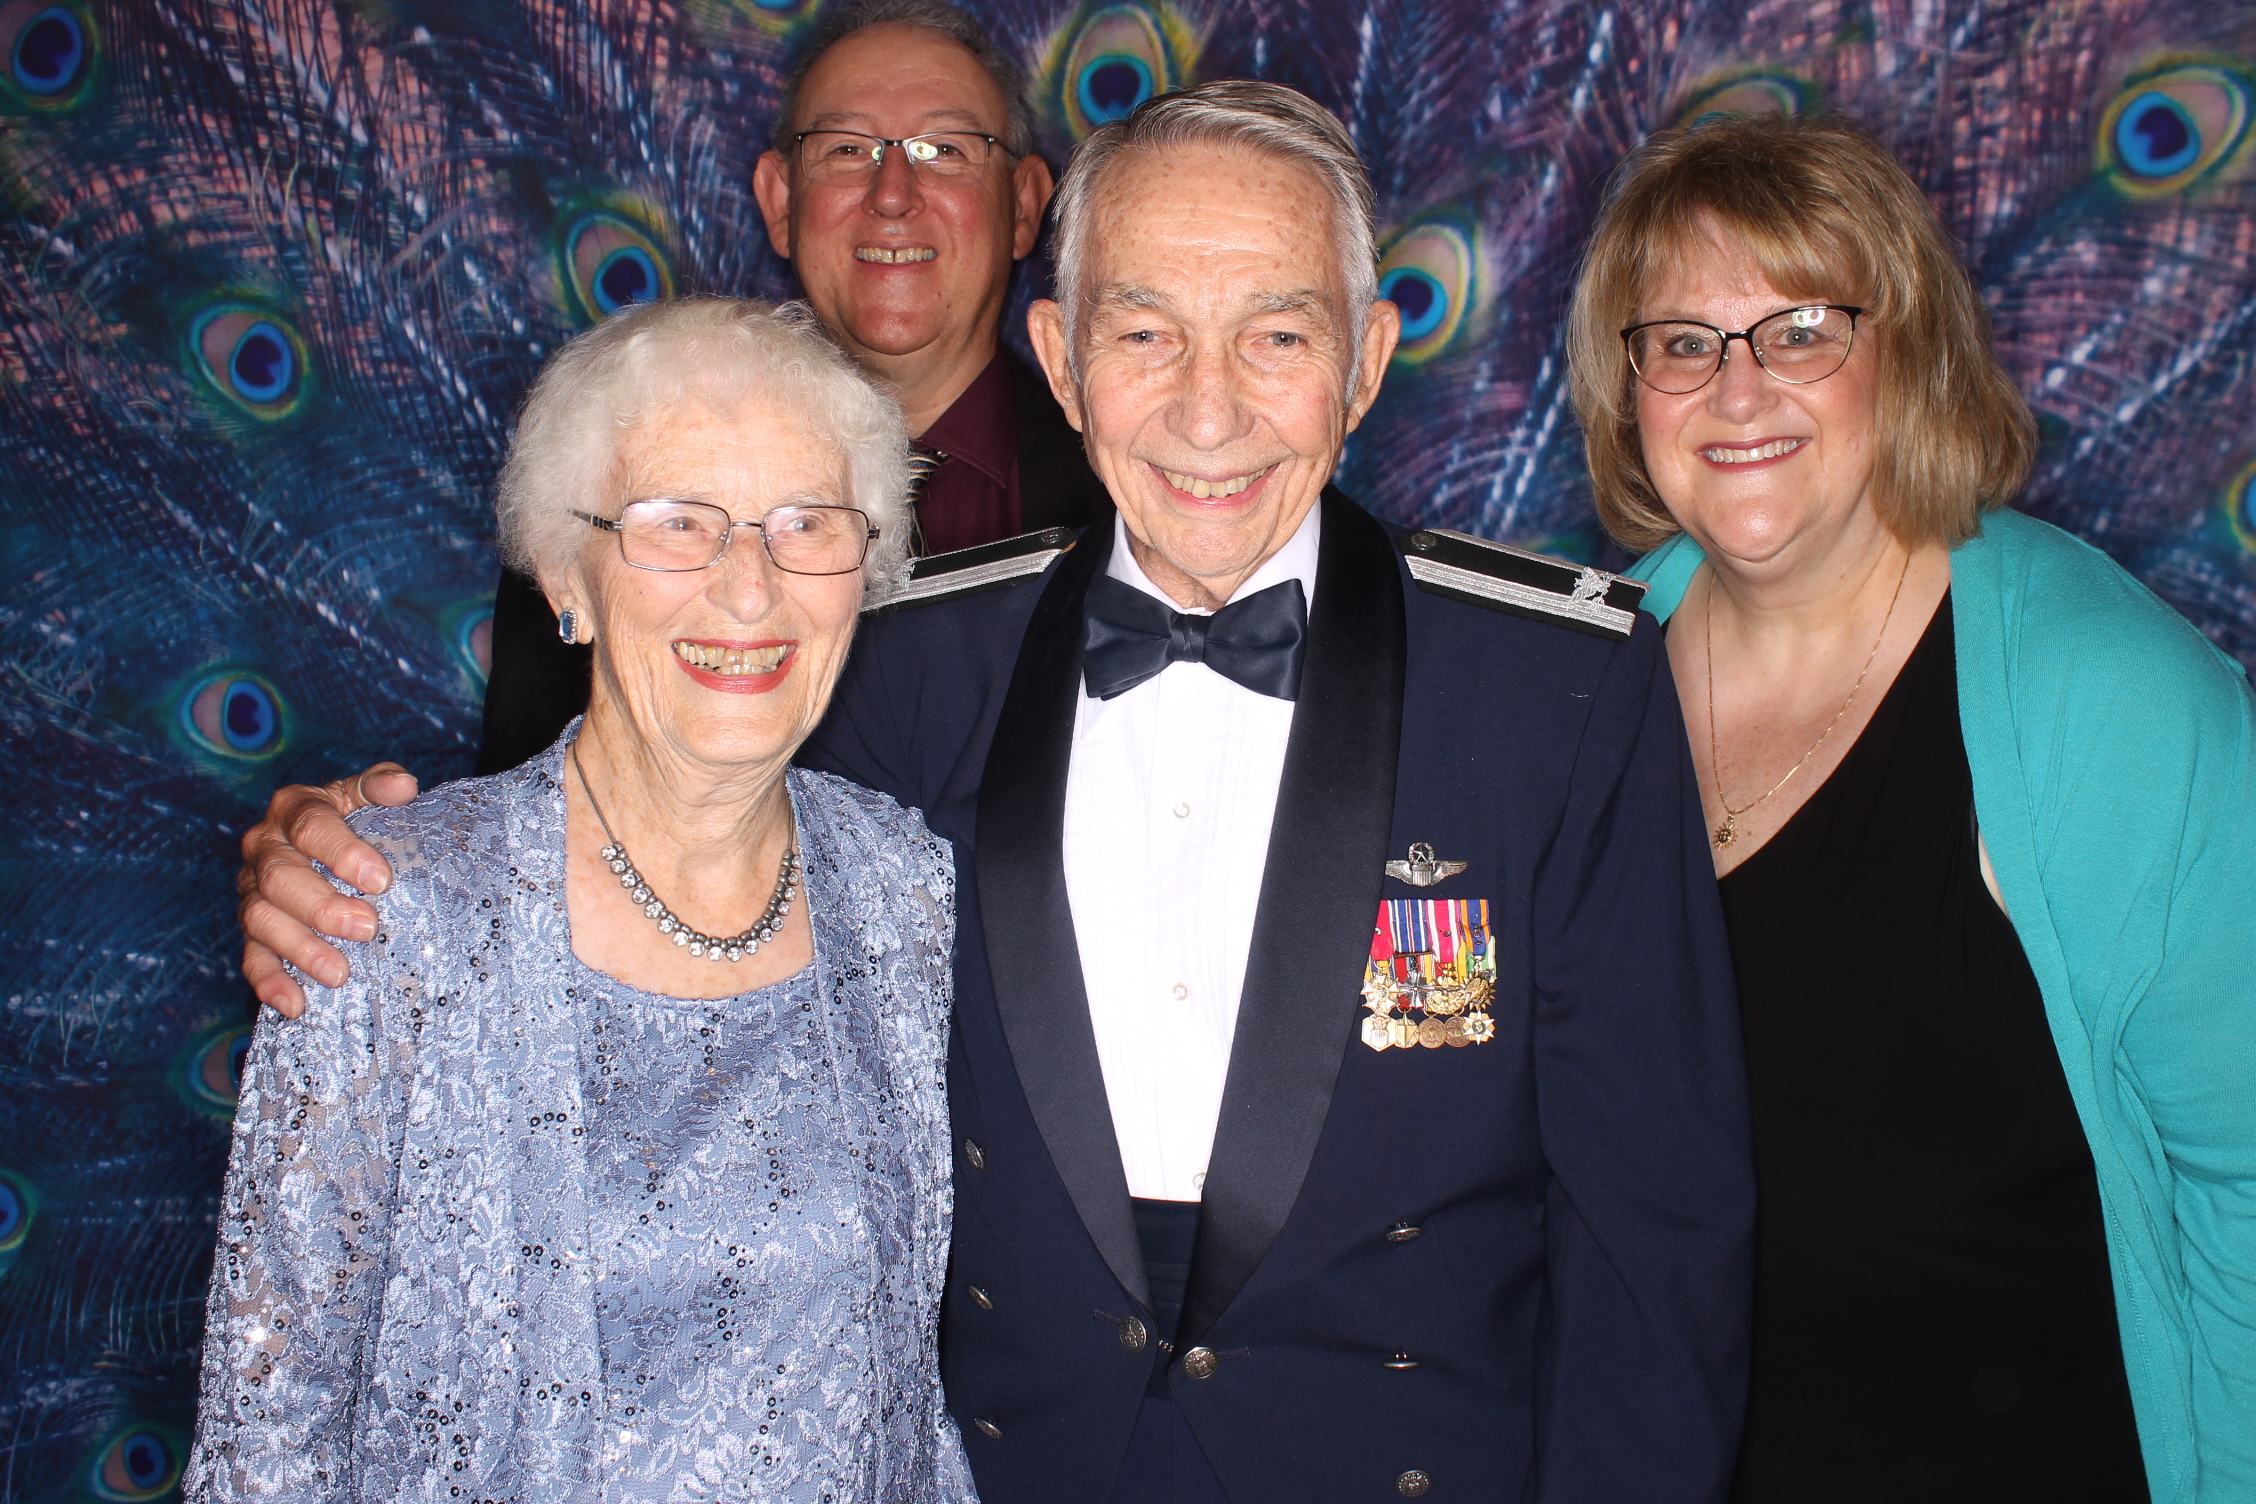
point(1179, 216)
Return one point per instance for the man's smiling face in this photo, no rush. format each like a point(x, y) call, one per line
point(901, 263)
point(1216, 377)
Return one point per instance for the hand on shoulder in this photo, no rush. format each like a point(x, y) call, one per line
point(286, 907)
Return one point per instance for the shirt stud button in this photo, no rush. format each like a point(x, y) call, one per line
point(1182, 811)
point(1181, 992)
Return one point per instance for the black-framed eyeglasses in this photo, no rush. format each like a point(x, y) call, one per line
point(851, 156)
point(1796, 345)
point(676, 536)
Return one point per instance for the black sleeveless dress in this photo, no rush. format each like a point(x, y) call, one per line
point(1933, 1316)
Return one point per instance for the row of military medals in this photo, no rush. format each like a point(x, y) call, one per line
point(1432, 974)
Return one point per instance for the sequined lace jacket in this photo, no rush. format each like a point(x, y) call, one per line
point(409, 1299)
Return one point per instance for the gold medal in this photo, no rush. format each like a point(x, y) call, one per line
point(1431, 977)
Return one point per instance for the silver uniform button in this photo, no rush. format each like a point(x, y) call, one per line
point(1411, 1485)
point(975, 1154)
point(1200, 1363)
point(1402, 1360)
point(1402, 1232)
point(980, 1297)
point(1132, 1335)
point(989, 1428)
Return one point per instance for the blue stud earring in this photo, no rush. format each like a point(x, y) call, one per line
point(568, 625)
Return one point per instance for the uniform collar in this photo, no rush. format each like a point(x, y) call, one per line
point(1295, 561)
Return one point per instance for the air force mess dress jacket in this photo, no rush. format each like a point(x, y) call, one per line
point(1508, 1270)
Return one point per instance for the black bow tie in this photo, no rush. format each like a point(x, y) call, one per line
point(1128, 637)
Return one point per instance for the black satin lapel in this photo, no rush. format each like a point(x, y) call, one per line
point(1028, 921)
point(1319, 892)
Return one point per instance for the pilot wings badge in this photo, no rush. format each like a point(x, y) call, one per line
point(1421, 870)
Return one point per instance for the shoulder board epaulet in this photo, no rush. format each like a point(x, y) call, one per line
point(1504, 578)
point(985, 566)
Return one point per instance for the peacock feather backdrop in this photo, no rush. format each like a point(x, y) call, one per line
point(274, 275)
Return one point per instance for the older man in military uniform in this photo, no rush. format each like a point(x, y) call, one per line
point(1345, 1078)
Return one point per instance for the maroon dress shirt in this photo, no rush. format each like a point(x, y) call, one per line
point(971, 496)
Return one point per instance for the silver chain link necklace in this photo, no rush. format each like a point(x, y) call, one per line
point(712, 948)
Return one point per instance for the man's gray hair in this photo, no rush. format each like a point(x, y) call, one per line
point(932, 15)
point(732, 353)
point(1270, 119)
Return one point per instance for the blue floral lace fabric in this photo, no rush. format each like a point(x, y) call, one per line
point(500, 1227)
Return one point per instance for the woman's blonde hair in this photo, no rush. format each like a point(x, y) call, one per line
point(1825, 212)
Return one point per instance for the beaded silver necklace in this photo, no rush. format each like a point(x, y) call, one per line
point(710, 947)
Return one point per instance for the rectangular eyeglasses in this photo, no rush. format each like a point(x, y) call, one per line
point(851, 156)
point(671, 536)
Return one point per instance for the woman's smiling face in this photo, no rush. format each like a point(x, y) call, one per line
point(1749, 464)
point(731, 664)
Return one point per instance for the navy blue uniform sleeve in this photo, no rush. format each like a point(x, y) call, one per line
point(860, 737)
point(1642, 1105)
point(915, 706)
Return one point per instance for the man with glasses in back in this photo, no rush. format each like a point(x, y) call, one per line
point(903, 186)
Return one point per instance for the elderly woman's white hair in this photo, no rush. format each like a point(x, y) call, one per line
point(728, 352)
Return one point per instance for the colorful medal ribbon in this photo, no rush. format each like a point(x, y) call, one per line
point(1432, 974)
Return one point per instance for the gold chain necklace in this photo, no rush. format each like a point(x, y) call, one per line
point(1728, 831)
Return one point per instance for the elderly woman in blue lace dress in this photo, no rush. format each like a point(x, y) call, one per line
point(619, 1168)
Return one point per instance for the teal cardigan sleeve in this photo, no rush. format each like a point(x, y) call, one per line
point(2113, 752)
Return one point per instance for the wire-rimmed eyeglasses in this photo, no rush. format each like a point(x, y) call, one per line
point(852, 156)
point(1796, 345)
point(676, 536)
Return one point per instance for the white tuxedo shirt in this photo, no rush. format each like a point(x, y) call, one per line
point(1167, 811)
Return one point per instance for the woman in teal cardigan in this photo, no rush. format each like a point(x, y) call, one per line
point(1984, 818)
